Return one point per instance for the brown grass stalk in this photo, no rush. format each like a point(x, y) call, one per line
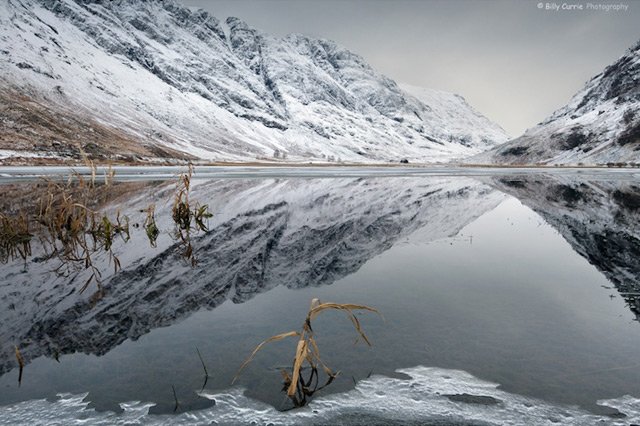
point(307, 351)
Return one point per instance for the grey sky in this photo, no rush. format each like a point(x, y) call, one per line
point(514, 62)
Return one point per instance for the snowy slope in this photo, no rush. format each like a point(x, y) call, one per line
point(165, 77)
point(600, 125)
point(265, 233)
point(455, 120)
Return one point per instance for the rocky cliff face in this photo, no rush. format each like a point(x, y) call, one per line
point(600, 125)
point(162, 75)
point(265, 233)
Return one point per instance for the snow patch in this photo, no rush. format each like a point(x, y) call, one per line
point(428, 395)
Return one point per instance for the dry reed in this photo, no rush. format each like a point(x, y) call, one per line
point(188, 218)
point(20, 360)
point(71, 229)
point(299, 389)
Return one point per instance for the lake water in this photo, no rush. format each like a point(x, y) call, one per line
point(506, 298)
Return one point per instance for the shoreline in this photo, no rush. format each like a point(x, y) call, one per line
point(10, 174)
point(302, 164)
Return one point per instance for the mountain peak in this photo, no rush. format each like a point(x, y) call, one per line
point(169, 77)
point(237, 24)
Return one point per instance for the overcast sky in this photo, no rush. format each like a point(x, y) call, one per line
point(513, 61)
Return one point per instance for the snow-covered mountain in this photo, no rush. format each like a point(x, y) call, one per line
point(600, 125)
point(265, 233)
point(452, 119)
point(153, 79)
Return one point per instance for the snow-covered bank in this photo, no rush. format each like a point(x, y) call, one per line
point(428, 396)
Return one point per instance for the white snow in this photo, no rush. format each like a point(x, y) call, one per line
point(421, 398)
point(451, 118)
point(170, 76)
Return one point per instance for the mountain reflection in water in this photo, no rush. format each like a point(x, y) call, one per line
point(600, 219)
point(264, 233)
point(290, 233)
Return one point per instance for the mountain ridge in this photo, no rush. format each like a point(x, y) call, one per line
point(600, 125)
point(179, 79)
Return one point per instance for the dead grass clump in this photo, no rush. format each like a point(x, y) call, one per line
point(73, 232)
point(188, 218)
point(15, 237)
point(307, 355)
point(66, 218)
point(150, 226)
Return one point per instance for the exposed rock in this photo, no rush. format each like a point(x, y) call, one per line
point(180, 79)
point(600, 125)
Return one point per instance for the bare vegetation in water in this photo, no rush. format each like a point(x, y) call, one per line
point(150, 226)
point(73, 232)
point(15, 237)
point(307, 355)
point(65, 218)
point(20, 360)
point(187, 217)
point(69, 229)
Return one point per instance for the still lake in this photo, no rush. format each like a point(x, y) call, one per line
point(506, 298)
